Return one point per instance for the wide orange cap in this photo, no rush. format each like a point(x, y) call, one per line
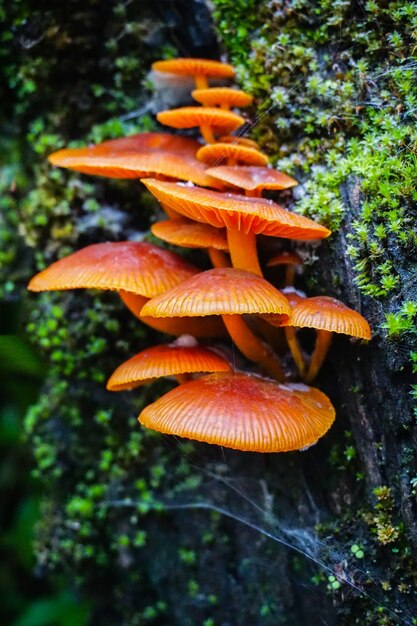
point(195, 67)
point(243, 412)
point(251, 178)
point(190, 117)
point(255, 215)
point(215, 96)
point(324, 313)
point(214, 153)
point(165, 360)
point(140, 155)
point(220, 291)
point(136, 267)
point(190, 234)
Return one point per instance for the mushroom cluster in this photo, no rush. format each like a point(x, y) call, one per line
point(212, 196)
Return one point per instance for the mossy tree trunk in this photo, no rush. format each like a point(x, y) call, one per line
point(159, 531)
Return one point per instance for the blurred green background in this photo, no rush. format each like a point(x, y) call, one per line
point(26, 598)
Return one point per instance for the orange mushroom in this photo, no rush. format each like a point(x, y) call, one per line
point(243, 217)
point(210, 120)
point(195, 235)
point(145, 154)
point(233, 153)
point(327, 316)
point(242, 412)
point(200, 69)
point(289, 258)
point(252, 179)
point(237, 139)
point(230, 293)
point(137, 270)
point(225, 97)
point(178, 359)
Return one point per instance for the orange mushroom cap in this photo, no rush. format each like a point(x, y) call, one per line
point(220, 291)
point(190, 117)
point(210, 326)
point(243, 141)
point(251, 178)
point(324, 313)
point(242, 412)
point(215, 96)
point(195, 67)
point(137, 156)
point(286, 257)
point(165, 360)
point(214, 153)
point(190, 234)
point(136, 267)
point(256, 215)
point(294, 297)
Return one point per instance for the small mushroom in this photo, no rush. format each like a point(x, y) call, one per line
point(252, 179)
point(327, 316)
point(230, 293)
point(225, 97)
point(242, 412)
point(173, 359)
point(210, 120)
point(239, 140)
point(200, 69)
point(232, 153)
point(289, 258)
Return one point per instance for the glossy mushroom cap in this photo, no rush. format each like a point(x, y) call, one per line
point(242, 412)
point(324, 313)
point(256, 215)
point(165, 360)
point(136, 267)
point(215, 153)
point(224, 291)
point(190, 234)
point(145, 154)
point(216, 96)
point(191, 117)
point(195, 67)
point(251, 178)
point(237, 139)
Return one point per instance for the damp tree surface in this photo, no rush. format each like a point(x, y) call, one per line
point(208, 535)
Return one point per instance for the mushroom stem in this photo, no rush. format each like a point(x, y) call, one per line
point(253, 193)
point(294, 346)
point(253, 348)
point(207, 133)
point(201, 82)
point(243, 251)
point(218, 258)
point(323, 341)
